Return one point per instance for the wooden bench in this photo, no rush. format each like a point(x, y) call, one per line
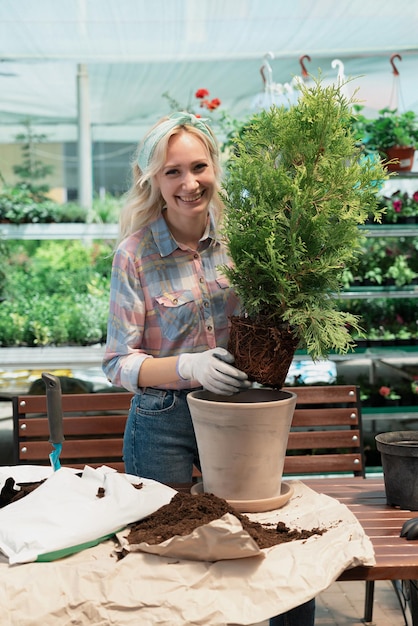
point(326, 434)
point(93, 426)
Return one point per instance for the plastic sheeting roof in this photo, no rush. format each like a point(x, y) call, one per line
point(135, 50)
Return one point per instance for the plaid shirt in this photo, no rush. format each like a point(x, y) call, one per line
point(165, 300)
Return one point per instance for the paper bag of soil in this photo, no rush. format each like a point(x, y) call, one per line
point(68, 512)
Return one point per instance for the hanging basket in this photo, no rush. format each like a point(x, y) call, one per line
point(404, 156)
point(263, 352)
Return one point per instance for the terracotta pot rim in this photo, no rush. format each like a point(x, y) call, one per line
point(279, 396)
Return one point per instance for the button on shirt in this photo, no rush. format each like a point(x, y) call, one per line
point(165, 300)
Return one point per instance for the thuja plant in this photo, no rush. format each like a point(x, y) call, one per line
point(32, 171)
point(296, 190)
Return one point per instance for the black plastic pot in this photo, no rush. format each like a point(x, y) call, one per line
point(399, 454)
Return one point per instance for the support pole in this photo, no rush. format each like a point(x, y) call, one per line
point(85, 170)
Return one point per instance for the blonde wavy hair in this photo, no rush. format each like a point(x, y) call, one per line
point(144, 202)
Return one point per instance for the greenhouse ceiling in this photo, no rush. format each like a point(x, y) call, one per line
point(133, 51)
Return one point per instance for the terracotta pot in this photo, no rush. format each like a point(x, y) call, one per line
point(242, 441)
point(405, 156)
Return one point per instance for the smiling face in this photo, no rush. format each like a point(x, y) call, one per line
point(186, 180)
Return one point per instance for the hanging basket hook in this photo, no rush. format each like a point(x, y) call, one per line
point(265, 70)
point(392, 62)
point(336, 63)
point(302, 65)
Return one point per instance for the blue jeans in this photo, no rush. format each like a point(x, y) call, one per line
point(159, 440)
point(160, 443)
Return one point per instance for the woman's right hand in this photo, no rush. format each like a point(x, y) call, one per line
point(213, 370)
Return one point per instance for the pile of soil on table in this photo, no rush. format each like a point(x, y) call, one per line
point(186, 512)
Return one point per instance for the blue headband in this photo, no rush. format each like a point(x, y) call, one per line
point(150, 142)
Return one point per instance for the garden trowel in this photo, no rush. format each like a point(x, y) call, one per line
point(54, 412)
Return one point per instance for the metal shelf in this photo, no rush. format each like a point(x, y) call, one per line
point(405, 174)
point(359, 293)
point(390, 230)
point(51, 357)
point(58, 231)
point(378, 412)
point(71, 230)
point(378, 352)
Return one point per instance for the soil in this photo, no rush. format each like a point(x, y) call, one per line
point(186, 512)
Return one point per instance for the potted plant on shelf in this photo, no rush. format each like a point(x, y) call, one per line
point(296, 190)
point(392, 134)
point(373, 276)
point(400, 271)
point(391, 397)
point(404, 336)
point(402, 208)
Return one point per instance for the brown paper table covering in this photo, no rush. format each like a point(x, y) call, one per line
point(94, 588)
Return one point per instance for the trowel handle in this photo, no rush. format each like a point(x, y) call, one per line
point(54, 407)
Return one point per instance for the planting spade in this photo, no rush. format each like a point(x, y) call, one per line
point(54, 412)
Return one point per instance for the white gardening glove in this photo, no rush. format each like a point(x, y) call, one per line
point(213, 371)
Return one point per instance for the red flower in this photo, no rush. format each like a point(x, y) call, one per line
point(213, 104)
point(415, 196)
point(210, 105)
point(384, 391)
point(397, 206)
point(201, 93)
point(205, 103)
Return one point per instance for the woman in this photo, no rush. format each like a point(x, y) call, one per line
point(170, 303)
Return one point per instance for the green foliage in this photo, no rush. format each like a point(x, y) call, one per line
point(374, 275)
point(55, 293)
point(388, 257)
point(32, 169)
point(379, 315)
point(400, 271)
point(4, 255)
point(71, 212)
point(104, 211)
point(78, 319)
point(296, 190)
point(107, 209)
point(390, 128)
point(19, 204)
